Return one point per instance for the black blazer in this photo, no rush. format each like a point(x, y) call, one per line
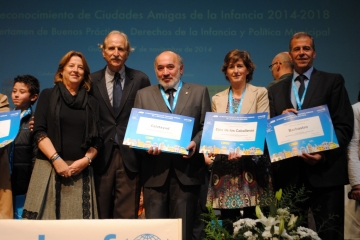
point(323, 88)
point(110, 124)
point(193, 101)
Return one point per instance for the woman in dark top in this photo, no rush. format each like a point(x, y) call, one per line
point(67, 132)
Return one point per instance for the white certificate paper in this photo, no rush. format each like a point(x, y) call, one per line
point(237, 131)
point(242, 134)
point(159, 128)
point(169, 132)
point(9, 126)
point(298, 130)
point(5, 128)
point(309, 131)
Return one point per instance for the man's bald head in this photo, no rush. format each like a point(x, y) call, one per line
point(281, 64)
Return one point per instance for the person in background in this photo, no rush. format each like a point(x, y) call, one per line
point(67, 133)
point(117, 169)
point(6, 202)
point(22, 151)
point(352, 204)
point(237, 182)
point(281, 67)
point(4, 103)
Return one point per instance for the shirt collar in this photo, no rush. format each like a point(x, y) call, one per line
point(26, 112)
point(307, 73)
point(110, 74)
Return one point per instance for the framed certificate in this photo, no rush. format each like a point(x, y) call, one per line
point(309, 131)
point(168, 132)
point(9, 126)
point(243, 134)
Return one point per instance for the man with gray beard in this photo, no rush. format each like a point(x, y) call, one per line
point(171, 181)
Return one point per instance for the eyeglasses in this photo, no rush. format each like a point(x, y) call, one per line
point(270, 67)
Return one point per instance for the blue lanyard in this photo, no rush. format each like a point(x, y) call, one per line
point(231, 101)
point(175, 99)
point(296, 94)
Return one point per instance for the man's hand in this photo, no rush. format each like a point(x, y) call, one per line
point(209, 159)
point(312, 158)
point(154, 151)
point(290, 110)
point(355, 192)
point(234, 156)
point(191, 148)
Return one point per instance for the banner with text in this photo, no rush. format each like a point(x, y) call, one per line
point(157, 229)
point(201, 33)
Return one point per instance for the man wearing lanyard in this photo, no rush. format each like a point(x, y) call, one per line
point(172, 182)
point(325, 173)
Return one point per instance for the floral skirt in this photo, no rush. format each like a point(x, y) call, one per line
point(239, 183)
point(51, 196)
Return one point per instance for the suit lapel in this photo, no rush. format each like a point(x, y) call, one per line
point(183, 98)
point(248, 101)
point(223, 101)
point(287, 90)
point(127, 88)
point(311, 89)
point(159, 100)
point(103, 91)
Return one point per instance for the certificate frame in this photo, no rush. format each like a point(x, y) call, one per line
point(9, 126)
point(242, 134)
point(309, 131)
point(169, 132)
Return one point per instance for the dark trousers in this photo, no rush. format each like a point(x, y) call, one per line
point(173, 200)
point(199, 224)
point(117, 190)
point(327, 201)
point(323, 202)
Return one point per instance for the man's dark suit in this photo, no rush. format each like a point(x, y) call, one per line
point(111, 124)
point(330, 172)
point(193, 101)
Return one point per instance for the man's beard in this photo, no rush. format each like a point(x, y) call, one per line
point(171, 84)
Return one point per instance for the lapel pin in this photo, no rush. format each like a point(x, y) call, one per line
point(186, 92)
